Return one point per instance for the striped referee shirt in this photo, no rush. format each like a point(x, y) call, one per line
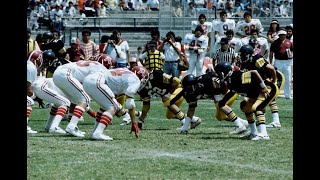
point(228, 55)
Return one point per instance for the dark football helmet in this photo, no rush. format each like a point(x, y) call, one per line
point(224, 69)
point(142, 74)
point(253, 42)
point(106, 60)
point(246, 52)
point(48, 56)
point(188, 80)
point(36, 57)
point(47, 36)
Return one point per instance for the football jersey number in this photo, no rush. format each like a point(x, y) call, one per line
point(120, 71)
point(155, 91)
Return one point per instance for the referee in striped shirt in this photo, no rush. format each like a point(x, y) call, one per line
point(224, 53)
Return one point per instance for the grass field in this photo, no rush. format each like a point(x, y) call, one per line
point(207, 152)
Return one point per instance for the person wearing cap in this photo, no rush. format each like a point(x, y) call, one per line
point(224, 53)
point(282, 52)
point(243, 27)
point(273, 31)
point(31, 43)
point(74, 52)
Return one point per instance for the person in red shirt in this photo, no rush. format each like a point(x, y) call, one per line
point(74, 52)
point(282, 51)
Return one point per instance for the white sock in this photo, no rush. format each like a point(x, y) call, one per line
point(186, 124)
point(263, 129)
point(56, 121)
point(100, 128)
point(275, 118)
point(183, 120)
point(238, 122)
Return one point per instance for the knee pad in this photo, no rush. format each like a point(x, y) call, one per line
point(130, 104)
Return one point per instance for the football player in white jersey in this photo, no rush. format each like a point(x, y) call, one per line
point(206, 26)
point(220, 26)
point(261, 42)
point(45, 89)
point(196, 46)
point(69, 78)
point(103, 88)
point(34, 61)
point(233, 42)
point(243, 27)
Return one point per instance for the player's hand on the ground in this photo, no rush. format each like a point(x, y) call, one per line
point(135, 129)
point(40, 102)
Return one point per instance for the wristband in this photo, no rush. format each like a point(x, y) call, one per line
point(262, 85)
point(33, 96)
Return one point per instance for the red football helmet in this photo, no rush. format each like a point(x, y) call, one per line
point(142, 74)
point(106, 60)
point(36, 57)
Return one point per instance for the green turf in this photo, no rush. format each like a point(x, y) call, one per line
point(207, 152)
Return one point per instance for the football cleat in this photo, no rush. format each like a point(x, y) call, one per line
point(75, 131)
point(30, 131)
point(273, 125)
point(239, 130)
point(100, 136)
point(260, 137)
point(196, 123)
point(57, 130)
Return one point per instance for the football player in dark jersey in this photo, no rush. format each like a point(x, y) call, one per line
point(258, 93)
point(249, 61)
point(206, 86)
point(159, 84)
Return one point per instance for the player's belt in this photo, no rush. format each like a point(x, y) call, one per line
point(171, 61)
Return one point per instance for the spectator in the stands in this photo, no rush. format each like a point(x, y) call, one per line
point(285, 9)
point(56, 15)
point(138, 5)
point(191, 10)
point(177, 12)
point(153, 5)
point(112, 5)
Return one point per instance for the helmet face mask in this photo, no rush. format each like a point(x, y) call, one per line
point(142, 74)
point(189, 83)
point(224, 69)
point(246, 52)
point(48, 57)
